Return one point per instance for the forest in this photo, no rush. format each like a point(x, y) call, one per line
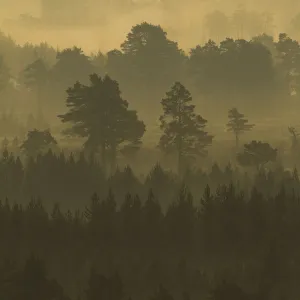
point(145, 172)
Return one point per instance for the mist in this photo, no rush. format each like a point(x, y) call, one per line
point(149, 150)
point(183, 20)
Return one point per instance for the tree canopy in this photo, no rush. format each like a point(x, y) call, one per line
point(72, 65)
point(99, 113)
point(147, 63)
point(38, 141)
point(257, 154)
point(4, 74)
point(183, 130)
point(237, 124)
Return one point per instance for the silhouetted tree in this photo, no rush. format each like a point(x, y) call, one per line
point(99, 61)
point(289, 63)
point(183, 129)
point(99, 113)
point(237, 124)
point(72, 65)
point(257, 154)
point(4, 74)
point(36, 76)
point(153, 60)
point(151, 51)
point(37, 141)
point(204, 67)
point(294, 138)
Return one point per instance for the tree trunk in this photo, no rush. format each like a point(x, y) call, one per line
point(180, 158)
point(39, 115)
point(113, 158)
point(179, 162)
point(103, 157)
point(39, 98)
point(237, 141)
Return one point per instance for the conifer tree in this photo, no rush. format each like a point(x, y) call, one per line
point(183, 130)
point(237, 124)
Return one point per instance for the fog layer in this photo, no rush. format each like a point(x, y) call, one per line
point(186, 21)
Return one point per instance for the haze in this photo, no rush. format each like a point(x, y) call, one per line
point(149, 150)
point(184, 21)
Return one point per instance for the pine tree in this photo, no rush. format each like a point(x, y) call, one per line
point(183, 130)
point(99, 113)
point(237, 124)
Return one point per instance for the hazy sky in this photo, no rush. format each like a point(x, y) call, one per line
point(183, 21)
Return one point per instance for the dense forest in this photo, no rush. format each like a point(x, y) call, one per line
point(225, 245)
point(87, 221)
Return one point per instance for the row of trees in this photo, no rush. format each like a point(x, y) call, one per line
point(148, 63)
point(32, 282)
point(69, 179)
point(99, 114)
point(251, 241)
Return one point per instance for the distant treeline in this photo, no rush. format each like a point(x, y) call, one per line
point(259, 74)
point(70, 180)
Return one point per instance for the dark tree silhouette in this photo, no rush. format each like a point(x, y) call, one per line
point(155, 57)
point(99, 60)
point(4, 74)
point(289, 58)
point(36, 76)
point(37, 141)
point(237, 124)
point(257, 154)
point(99, 113)
point(148, 243)
point(183, 129)
point(72, 65)
point(208, 69)
point(152, 62)
point(294, 138)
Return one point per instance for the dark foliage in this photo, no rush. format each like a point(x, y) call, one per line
point(215, 233)
point(133, 242)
